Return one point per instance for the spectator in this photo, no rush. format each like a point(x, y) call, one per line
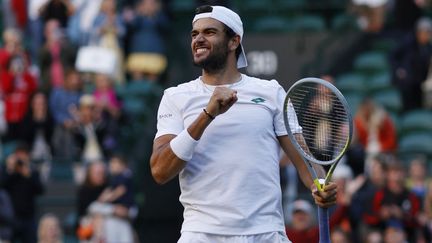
point(394, 233)
point(22, 182)
point(81, 22)
point(361, 206)
point(417, 178)
point(410, 64)
point(94, 184)
point(426, 218)
point(12, 47)
point(405, 14)
point(109, 31)
point(18, 85)
point(49, 230)
point(36, 130)
point(339, 235)
point(120, 188)
point(373, 236)
point(57, 9)
point(395, 204)
point(35, 28)
point(101, 220)
point(147, 58)
point(94, 138)
point(375, 129)
point(371, 14)
point(105, 96)
point(14, 13)
point(56, 55)
point(303, 228)
point(61, 101)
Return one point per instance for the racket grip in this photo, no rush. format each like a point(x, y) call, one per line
point(324, 229)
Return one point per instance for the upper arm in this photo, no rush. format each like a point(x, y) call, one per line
point(290, 150)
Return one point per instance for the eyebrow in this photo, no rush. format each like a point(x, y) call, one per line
point(206, 29)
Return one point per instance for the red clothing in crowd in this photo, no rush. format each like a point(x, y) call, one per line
point(407, 201)
point(16, 93)
point(19, 7)
point(386, 134)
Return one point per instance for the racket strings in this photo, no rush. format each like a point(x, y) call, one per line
point(323, 119)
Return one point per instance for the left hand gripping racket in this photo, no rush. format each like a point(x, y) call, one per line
point(326, 130)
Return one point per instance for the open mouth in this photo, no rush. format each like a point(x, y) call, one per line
point(201, 50)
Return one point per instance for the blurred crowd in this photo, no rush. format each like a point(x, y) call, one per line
point(58, 103)
point(382, 197)
point(62, 63)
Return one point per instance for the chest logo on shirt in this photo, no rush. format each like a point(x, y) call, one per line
point(258, 100)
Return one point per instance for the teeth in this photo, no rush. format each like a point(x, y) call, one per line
point(201, 50)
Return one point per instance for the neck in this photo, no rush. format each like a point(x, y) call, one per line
point(221, 77)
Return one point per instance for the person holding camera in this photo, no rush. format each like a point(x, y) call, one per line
point(22, 182)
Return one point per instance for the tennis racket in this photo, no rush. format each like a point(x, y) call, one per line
point(326, 130)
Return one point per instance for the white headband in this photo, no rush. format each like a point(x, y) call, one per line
point(230, 19)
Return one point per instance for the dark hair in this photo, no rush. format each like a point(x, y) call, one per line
point(228, 31)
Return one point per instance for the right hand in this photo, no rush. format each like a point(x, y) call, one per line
point(221, 100)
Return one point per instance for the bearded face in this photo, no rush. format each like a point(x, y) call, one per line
point(209, 45)
point(216, 58)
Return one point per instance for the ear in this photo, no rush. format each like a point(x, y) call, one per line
point(234, 43)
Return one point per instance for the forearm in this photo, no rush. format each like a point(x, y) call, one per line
point(164, 162)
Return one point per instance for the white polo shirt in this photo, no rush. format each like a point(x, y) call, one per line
point(231, 185)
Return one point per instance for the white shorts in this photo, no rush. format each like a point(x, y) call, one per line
point(198, 237)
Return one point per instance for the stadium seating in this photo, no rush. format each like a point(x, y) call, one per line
point(390, 99)
point(371, 62)
point(415, 144)
point(351, 82)
point(417, 121)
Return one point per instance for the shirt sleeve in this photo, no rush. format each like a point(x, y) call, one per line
point(169, 117)
point(279, 122)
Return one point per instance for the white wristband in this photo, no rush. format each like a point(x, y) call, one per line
point(183, 145)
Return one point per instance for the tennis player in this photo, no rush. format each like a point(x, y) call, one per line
point(222, 133)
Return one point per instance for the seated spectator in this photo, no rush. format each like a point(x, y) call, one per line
point(395, 233)
point(147, 49)
point(22, 182)
point(119, 190)
point(395, 204)
point(99, 220)
point(109, 31)
point(36, 130)
point(371, 14)
point(57, 9)
point(55, 56)
point(62, 100)
point(375, 129)
point(418, 179)
point(14, 13)
point(12, 46)
point(49, 229)
point(339, 235)
point(426, 218)
point(93, 134)
point(17, 86)
point(303, 228)
point(80, 23)
point(94, 184)
point(373, 236)
point(410, 64)
point(106, 97)
point(375, 179)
